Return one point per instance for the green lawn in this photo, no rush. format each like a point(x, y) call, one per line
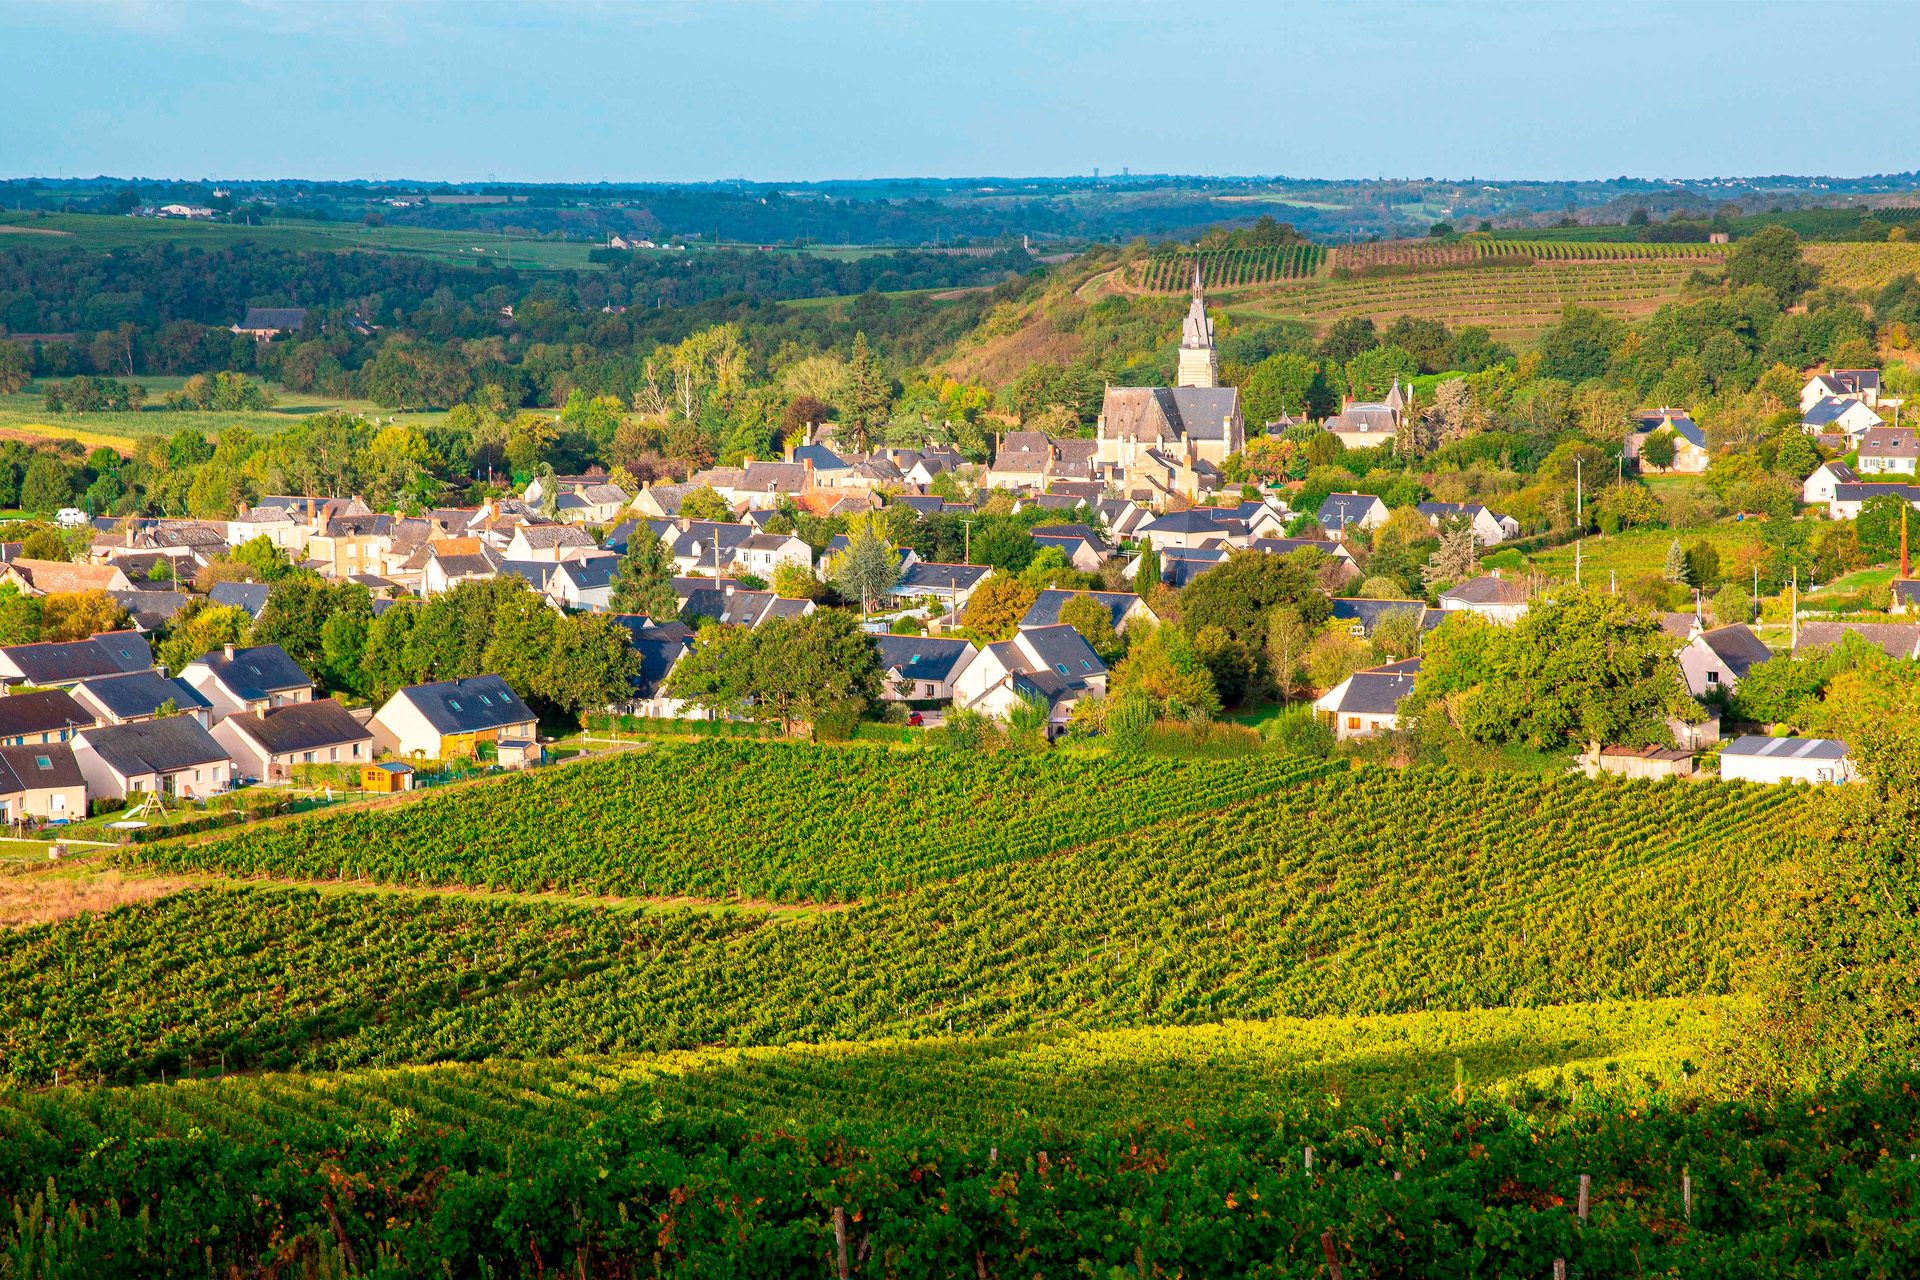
point(1858, 580)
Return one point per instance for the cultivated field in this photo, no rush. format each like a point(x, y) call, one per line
point(1516, 302)
point(1640, 553)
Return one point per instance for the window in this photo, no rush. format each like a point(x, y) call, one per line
point(1353, 722)
point(42, 762)
point(453, 703)
point(1061, 667)
point(1713, 677)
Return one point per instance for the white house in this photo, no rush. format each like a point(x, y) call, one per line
point(1857, 384)
point(660, 648)
point(41, 782)
point(1494, 598)
point(761, 553)
point(173, 756)
point(235, 681)
point(1888, 451)
point(551, 543)
point(922, 668)
point(1839, 415)
point(451, 717)
point(1690, 455)
point(1341, 512)
point(1487, 527)
point(1052, 665)
point(141, 695)
point(586, 583)
point(268, 744)
point(1720, 659)
point(1817, 490)
point(1124, 608)
point(1754, 758)
point(1367, 702)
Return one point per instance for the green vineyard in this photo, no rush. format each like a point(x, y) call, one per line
point(1362, 891)
point(783, 823)
point(1596, 251)
point(1224, 269)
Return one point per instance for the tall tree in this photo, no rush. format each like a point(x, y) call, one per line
point(868, 397)
point(869, 567)
point(643, 580)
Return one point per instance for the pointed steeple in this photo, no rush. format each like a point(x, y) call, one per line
point(1199, 367)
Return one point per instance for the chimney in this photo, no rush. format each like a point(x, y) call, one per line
point(229, 652)
point(807, 487)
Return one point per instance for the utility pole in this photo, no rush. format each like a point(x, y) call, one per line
point(1579, 503)
point(1576, 562)
point(966, 554)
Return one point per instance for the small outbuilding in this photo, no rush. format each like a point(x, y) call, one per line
point(1755, 758)
point(387, 777)
point(1644, 762)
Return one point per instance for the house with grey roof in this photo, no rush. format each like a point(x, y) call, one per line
point(1079, 545)
point(172, 756)
point(41, 716)
point(265, 323)
point(1895, 639)
point(63, 663)
point(270, 744)
point(1690, 455)
point(1488, 528)
point(660, 646)
point(585, 584)
point(1848, 499)
point(1362, 618)
point(1343, 513)
point(1839, 415)
point(1124, 608)
point(451, 718)
point(1370, 424)
point(41, 784)
point(1889, 451)
point(236, 680)
point(1494, 598)
point(951, 584)
point(1193, 528)
point(549, 542)
point(921, 668)
point(1718, 660)
point(250, 596)
point(1053, 666)
point(141, 695)
point(1367, 702)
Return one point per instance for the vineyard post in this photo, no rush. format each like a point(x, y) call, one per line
point(1307, 1161)
point(1559, 1269)
point(1586, 1181)
point(840, 1239)
point(1326, 1247)
point(1686, 1192)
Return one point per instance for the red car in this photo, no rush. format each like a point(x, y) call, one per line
point(916, 720)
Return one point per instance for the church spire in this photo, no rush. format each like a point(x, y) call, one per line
point(1199, 367)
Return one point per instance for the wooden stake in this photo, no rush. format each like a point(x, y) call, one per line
point(1326, 1247)
point(840, 1238)
point(1559, 1269)
point(1307, 1161)
point(1686, 1193)
point(1586, 1181)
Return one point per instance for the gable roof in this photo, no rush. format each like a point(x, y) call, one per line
point(929, 575)
point(41, 711)
point(59, 575)
point(64, 661)
point(921, 657)
point(301, 726)
point(1376, 691)
point(153, 746)
point(1371, 613)
point(22, 768)
point(251, 596)
point(256, 671)
point(471, 705)
point(1647, 421)
point(1338, 509)
point(1046, 607)
point(1487, 590)
point(1890, 442)
point(1830, 409)
point(1169, 413)
point(659, 646)
point(1895, 639)
point(273, 318)
point(1737, 646)
point(141, 693)
point(548, 537)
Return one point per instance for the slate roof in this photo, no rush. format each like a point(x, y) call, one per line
point(1192, 520)
point(64, 661)
point(1371, 613)
point(1890, 442)
point(1063, 651)
point(1863, 490)
point(154, 746)
point(822, 458)
point(548, 537)
point(21, 768)
point(1754, 744)
point(1069, 531)
point(1338, 509)
point(303, 726)
point(929, 576)
point(1649, 420)
point(1377, 691)
point(1366, 417)
point(1169, 413)
point(1856, 381)
point(467, 706)
point(1906, 591)
point(41, 711)
point(1895, 639)
point(921, 657)
point(535, 573)
point(923, 504)
point(256, 671)
point(1738, 647)
point(659, 646)
point(1285, 546)
point(1046, 607)
point(773, 477)
point(274, 318)
point(151, 610)
point(141, 693)
point(1487, 590)
point(1828, 409)
point(590, 574)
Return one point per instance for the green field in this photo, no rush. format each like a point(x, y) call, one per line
point(1638, 553)
point(25, 412)
point(1119, 992)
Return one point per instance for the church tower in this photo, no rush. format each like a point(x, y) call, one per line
point(1199, 365)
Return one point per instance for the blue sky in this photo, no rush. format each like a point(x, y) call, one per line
point(569, 90)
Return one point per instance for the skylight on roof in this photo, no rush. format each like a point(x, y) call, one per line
point(454, 703)
point(42, 762)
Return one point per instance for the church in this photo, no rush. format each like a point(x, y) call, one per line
point(1155, 443)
